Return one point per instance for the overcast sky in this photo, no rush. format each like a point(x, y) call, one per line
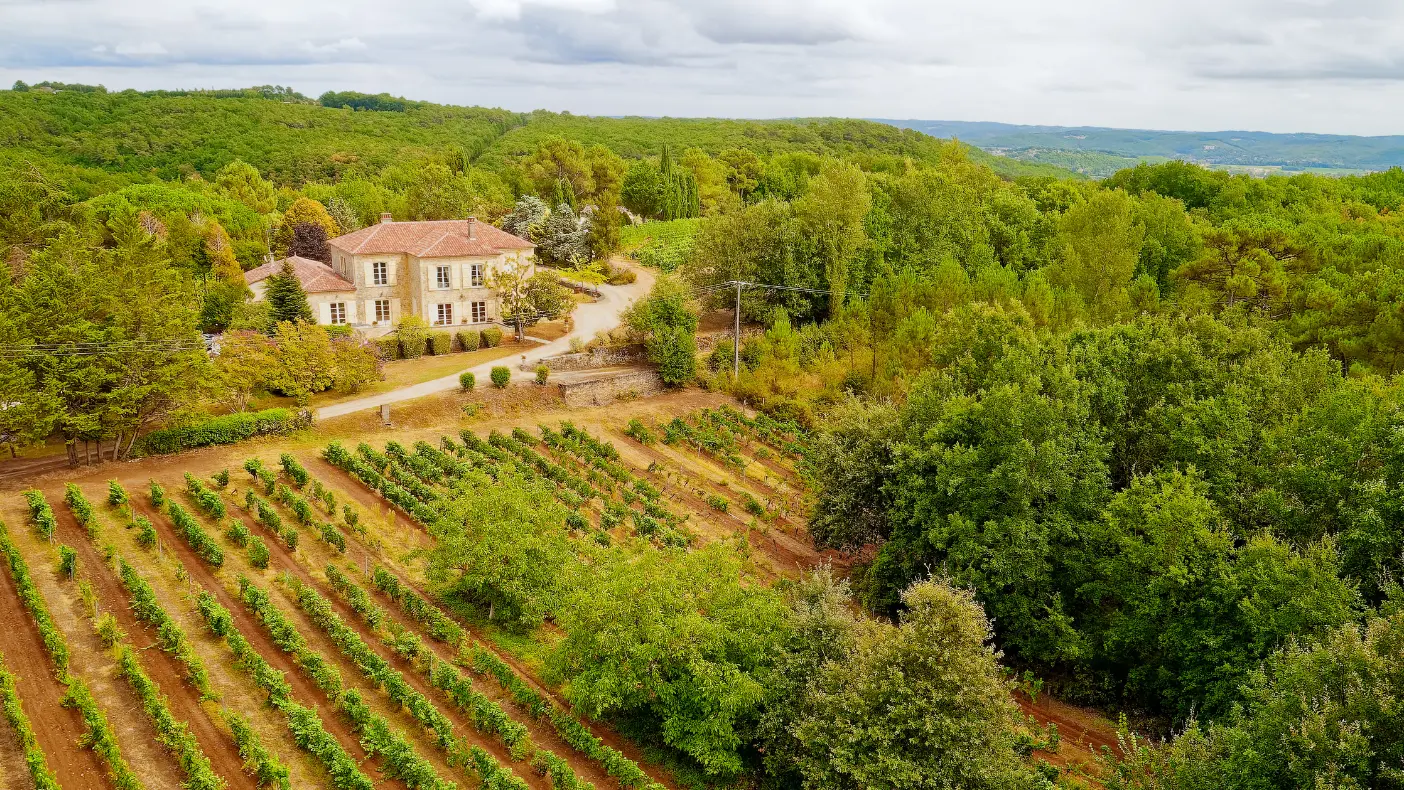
point(1274, 65)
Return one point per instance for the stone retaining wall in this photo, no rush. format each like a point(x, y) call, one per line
point(594, 358)
point(606, 390)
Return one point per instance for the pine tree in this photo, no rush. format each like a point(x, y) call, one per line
point(286, 299)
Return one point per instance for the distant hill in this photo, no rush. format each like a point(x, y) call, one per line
point(1099, 151)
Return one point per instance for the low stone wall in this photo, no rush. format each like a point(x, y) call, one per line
point(594, 358)
point(607, 389)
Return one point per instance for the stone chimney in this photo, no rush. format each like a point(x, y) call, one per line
point(385, 218)
point(472, 227)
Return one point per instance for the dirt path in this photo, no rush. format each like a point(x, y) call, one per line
point(57, 728)
point(304, 692)
point(181, 698)
point(1084, 734)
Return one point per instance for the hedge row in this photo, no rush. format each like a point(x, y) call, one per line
point(209, 501)
point(439, 342)
point(340, 458)
point(99, 736)
point(225, 429)
point(173, 733)
point(306, 726)
point(205, 546)
point(44, 778)
point(168, 634)
point(400, 760)
point(356, 597)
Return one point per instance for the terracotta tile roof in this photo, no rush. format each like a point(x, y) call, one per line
point(315, 276)
point(433, 239)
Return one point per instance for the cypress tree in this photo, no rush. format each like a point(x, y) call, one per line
point(286, 299)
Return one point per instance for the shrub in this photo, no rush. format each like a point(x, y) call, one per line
point(225, 429)
point(469, 340)
point(290, 538)
point(492, 337)
point(717, 503)
point(116, 494)
point(108, 631)
point(158, 494)
point(501, 375)
point(387, 347)
point(349, 515)
point(542, 373)
point(639, 432)
point(413, 337)
point(221, 478)
point(68, 561)
point(40, 514)
point(440, 343)
point(146, 534)
point(258, 552)
point(467, 380)
point(293, 470)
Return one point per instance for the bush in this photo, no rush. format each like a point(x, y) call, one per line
point(501, 375)
point(467, 380)
point(68, 561)
point(492, 337)
point(469, 340)
point(440, 343)
point(116, 494)
point(294, 470)
point(387, 347)
point(542, 373)
point(718, 503)
point(221, 478)
point(225, 429)
point(639, 432)
point(413, 336)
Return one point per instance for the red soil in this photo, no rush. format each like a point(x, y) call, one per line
point(181, 698)
point(57, 729)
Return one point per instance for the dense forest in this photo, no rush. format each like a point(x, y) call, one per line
point(1150, 424)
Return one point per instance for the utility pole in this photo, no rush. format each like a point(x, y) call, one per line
point(736, 336)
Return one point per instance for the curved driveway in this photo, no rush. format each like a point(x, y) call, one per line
point(588, 319)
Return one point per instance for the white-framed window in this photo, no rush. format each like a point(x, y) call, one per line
point(445, 314)
point(479, 312)
point(338, 312)
point(476, 270)
point(380, 273)
point(441, 277)
point(382, 311)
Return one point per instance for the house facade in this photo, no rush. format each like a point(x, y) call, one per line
point(438, 270)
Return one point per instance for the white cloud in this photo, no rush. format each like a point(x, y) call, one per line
point(1279, 65)
point(140, 49)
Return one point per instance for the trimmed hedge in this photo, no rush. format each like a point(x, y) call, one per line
point(501, 376)
point(467, 380)
point(492, 337)
point(44, 778)
point(468, 340)
point(224, 429)
point(440, 343)
point(387, 347)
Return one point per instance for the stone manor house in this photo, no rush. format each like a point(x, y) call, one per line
point(438, 270)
